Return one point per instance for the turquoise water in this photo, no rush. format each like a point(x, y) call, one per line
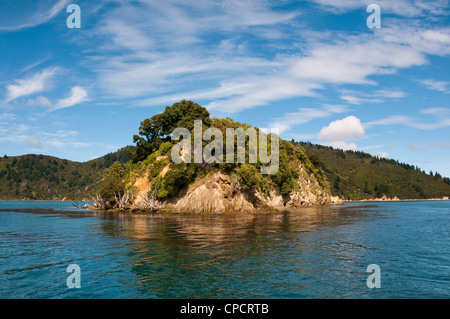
point(311, 253)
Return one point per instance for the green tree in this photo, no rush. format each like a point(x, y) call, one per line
point(286, 175)
point(155, 130)
point(336, 183)
point(250, 177)
point(113, 184)
point(315, 160)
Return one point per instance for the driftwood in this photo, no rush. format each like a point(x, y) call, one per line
point(98, 201)
point(122, 200)
point(149, 199)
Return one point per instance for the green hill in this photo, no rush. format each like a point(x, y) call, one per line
point(352, 175)
point(41, 177)
point(358, 175)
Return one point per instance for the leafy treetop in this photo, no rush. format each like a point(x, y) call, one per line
point(155, 130)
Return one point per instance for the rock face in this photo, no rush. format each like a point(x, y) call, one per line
point(221, 193)
point(216, 194)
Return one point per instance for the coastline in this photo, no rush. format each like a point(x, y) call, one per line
point(344, 200)
point(394, 200)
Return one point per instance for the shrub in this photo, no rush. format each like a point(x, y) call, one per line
point(286, 176)
point(113, 184)
point(178, 177)
point(251, 178)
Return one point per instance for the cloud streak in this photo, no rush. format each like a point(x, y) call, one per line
point(442, 86)
point(38, 17)
point(78, 95)
point(405, 8)
point(202, 46)
point(441, 119)
point(34, 84)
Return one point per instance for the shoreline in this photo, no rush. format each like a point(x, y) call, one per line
point(343, 200)
point(393, 200)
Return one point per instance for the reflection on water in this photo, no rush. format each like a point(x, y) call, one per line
point(213, 255)
point(214, 228)
point(318, 252)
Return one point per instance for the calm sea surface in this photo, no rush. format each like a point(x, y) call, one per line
point(310, 253)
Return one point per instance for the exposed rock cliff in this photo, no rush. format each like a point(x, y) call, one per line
point(221, 193)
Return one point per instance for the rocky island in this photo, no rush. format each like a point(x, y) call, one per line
point(155, 181)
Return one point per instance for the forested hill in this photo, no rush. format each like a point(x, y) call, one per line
point(352, 175)
point(358, 175)
point(40, 177)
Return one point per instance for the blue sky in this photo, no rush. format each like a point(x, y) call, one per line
point(311, 68)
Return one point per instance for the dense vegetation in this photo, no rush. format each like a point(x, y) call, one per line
point(358, 175)
point(154, 146)
point(348, 174)
point(45, 177)
point(155, 130)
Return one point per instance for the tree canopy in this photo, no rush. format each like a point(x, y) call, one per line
point(157, 129)
point(113, 184)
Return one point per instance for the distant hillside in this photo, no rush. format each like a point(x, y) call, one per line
point(352, 175)
point(45, 177)
point(358, 175)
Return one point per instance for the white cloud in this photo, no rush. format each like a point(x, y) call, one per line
point(265, 90)
point(381, 154)
point(436, 111)
point(40, 101)
point(407, 8)
point(159, 60)
point(442, 86)
point(7, 117)
point(126, 36)
point(38, 16)
point(304, 115)
point(391, 120)
point(355, 97)
point(332, 63)
point(359, 100)
point(434, 41)
point(37, 83)
point(347, 129)
point(440, 119)
point(441, 123)
point(341, 133)
point(77, 96)
point(343, 145)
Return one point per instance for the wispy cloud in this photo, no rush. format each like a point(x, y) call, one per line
point(391, 120)
point(78, 95)
point(406, 8)
point(442, 86)
point(34, 84)
point(38, 16)
point(440, 119)
point(39, 101)
point(210, 53)
point(33, 65)
point(357, 97)
point(305, 115)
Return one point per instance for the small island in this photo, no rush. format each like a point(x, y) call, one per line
point(152, 181)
